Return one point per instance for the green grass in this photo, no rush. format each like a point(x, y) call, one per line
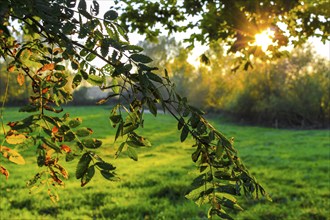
point(293, 166)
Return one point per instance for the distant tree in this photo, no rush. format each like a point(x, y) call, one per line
point(60, 32)
point(14, 90)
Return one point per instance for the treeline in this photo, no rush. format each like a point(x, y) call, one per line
point(289, 92)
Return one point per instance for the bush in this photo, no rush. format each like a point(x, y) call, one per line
point(292, 92)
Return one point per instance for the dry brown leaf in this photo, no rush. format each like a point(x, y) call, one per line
point(63, 171)
point(20, 78)
point(65, 148)
point(11, 68)
point(55, 130)
point(4, 171)
point(45, 90)
point(57, 50)
point(48, 66)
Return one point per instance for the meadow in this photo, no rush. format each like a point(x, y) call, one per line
point(292, 165)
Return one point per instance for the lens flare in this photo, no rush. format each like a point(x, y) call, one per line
point(264, 39)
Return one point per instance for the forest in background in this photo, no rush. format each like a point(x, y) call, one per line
point(292, 91)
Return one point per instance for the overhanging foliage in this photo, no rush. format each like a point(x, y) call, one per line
point(61, 32)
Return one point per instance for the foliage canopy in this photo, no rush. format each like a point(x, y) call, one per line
point(235, 23)
point(66, 34)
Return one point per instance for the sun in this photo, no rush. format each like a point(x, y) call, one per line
point(264, 39)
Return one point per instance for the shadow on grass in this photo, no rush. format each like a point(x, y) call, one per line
point(174, 193)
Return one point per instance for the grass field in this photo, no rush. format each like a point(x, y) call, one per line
point(293, 166)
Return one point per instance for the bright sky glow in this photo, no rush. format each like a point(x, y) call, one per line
point(264, 39)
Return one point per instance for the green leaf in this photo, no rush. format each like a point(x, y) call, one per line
point(91, 143)
point(108, 175)
point(119, 131)
point(228, 201)
point(122, 32)
point(95, 8)
point(74, 65)
point(88, 175)
point(199, 195)
point(133, 48)
point(75, 122)
point(68, 27)
point(120, 149)
point(111, 15)
point(105, 166)
point(130, 128)
point(184, 133)
point(204, 59)
point(196, 154)
point(115, 119)
point(131, 152)
point(59, 67)
point(152, 107)
point(90, 57)
point(95, 80)
point(83, 132)
point(83, 52)
point(186, 112)
point(140, 58)
point(232, 189)
point(219, 212)
point(224, 141)
point(105, 47)
point(82, 5)
point(194, 120)
point(219, 151)
point(69, 136)
point(134, 143)
point(154, 77)
point(122, 69)
point(76, 81)
point(82, 165)
point(115, 86)
point(138, 141)
point(222, 175)
point(50, 144)
point(86, 14)
point(69, 157)
point(84, 74)
point(181, 123)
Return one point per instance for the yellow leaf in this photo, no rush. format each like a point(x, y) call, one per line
point(63, 171)
point(49, 153)
point(20, 79)
point(53, 196)
point(15, 138)
point(16, 158)
point(12, 155)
